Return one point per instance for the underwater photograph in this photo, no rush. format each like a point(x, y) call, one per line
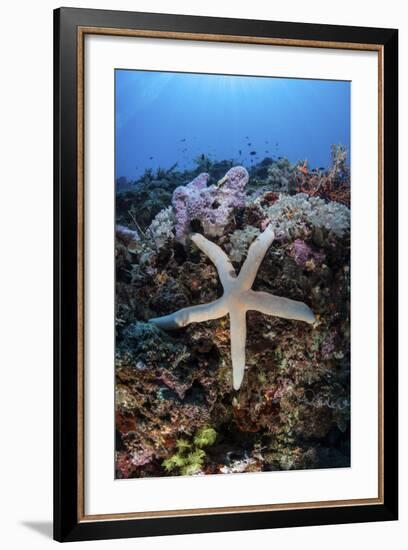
point(232, 274)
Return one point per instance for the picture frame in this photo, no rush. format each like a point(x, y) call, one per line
point(71, 431)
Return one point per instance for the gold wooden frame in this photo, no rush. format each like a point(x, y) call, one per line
point(81, 33)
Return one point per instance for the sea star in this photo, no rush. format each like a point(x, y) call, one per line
point(237, 299)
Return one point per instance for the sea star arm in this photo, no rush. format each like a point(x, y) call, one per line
point(238, 298)
point(278, 306)
point(193, 314)
point(256, 253)
point(221, 261)
point(238, 340)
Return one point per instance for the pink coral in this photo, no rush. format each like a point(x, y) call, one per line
point(142, 456)
point(187, 199)
point(305, 256)
point(209, 205)
point(301, 252)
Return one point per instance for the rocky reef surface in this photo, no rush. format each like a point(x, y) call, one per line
point(176, 410)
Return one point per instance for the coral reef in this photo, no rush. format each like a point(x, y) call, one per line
point(176, 410)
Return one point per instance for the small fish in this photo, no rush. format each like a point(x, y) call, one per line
point(240, 152)
point(184, 139)
point(249, 144)
point(252, 153)
point(246, 137)
point(150, 158)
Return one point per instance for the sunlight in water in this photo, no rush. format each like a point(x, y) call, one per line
point(163, 117)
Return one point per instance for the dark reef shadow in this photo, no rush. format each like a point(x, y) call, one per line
point(44, 528)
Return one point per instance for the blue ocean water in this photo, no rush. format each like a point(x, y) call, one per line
point(164, 118)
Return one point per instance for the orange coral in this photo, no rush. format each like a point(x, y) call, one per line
point(332, 185)
point(324, 185)
point(303, 168)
